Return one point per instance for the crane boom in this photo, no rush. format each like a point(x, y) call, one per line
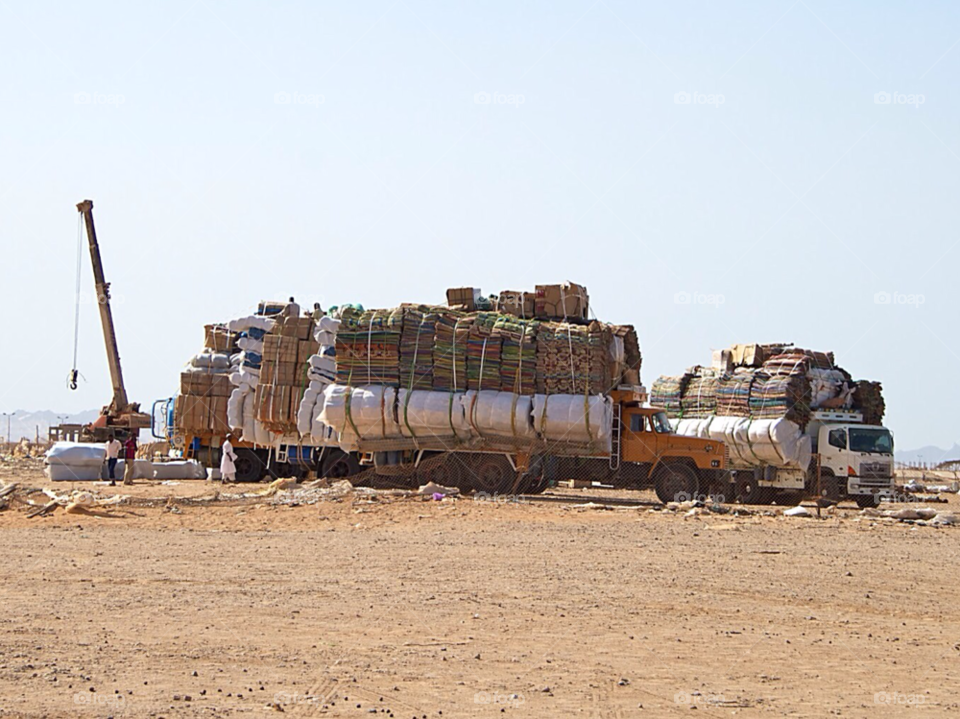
point(120, 401)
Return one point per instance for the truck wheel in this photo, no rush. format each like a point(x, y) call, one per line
point(749, 492)
point(829, 488)
point(492, 474)
point(675, 482)
point(867, 501)
point(250, 468)
point(339, 465)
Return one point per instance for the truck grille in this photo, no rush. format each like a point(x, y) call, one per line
point(875, 470)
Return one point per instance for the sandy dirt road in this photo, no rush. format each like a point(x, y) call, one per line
point(410, 608)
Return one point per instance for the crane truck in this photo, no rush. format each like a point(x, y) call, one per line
point(121, 417)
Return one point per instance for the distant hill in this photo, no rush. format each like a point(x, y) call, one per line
point(928, 455)
point(27, 424)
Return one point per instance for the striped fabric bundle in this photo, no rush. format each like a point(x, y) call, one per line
point(416, 347)
point(450, 351)
point(483, 353)
point(794, 362)
point(518, 357)
point(733, 394)
point(700, 397)
point(667, 393)
point(368, 348)
point(785, 395)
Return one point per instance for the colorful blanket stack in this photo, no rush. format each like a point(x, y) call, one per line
point(417, 346)
point(700, 397)
point(781, 395)
point(733, 394)
point(667, 392)
point(518, 356)
point(450, 351)
point(483, 353)
point(368, 348)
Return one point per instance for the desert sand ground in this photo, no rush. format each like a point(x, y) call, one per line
point(400, 607)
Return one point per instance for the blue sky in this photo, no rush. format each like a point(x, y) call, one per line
point(713, 172)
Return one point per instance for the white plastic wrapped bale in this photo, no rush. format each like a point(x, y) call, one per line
point(321, 434)
point(211, 361)
point(75, 461)
point(499, 414)
point(326, 330)
point(574, 418)
point(753, 442)
point(435, 415)
point(180, 469)
point(248, 344)
point(142, 469)
point(357, 413)
point(235, 407)
point(307, 410)
point(244, 324)
point(323, 367)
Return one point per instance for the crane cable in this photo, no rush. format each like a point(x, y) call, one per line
point(74, 372)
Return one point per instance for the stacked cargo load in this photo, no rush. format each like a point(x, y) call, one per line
point(241, 409)
point(759, 399)
point(284, 373)
point(205, 387)
point(440, 378)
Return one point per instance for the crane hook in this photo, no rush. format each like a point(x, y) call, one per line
point(73, 378)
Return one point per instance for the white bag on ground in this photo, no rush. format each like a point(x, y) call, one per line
point(74, 473)
point(499, 414)
point(181, 469)
point(77, 454)
point(142, 469)
point(574, 418)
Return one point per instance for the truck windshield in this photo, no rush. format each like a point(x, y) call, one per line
point(871, 440)
point(661, 424)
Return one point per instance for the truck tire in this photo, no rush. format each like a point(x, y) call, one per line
point(250, 468)
point(675, 482)
point(494, 475)
point(829, 487)
point(750, 492)
point(867, 501)
point(340, 465)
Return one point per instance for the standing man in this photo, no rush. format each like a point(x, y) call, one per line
point(113, 454)
point(228, 458)
point(291, 309)
point(129, 457)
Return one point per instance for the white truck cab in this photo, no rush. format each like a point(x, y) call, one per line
point(859, 456)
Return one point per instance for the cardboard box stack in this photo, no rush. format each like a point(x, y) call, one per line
point(201, 406)
point(283, 373)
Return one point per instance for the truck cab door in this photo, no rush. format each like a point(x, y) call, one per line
point(641, 443)
point(833, 444)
